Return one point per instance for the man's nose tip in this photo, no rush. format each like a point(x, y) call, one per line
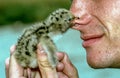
point(83, 19)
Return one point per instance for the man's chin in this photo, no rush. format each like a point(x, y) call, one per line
point(98, 64)
point(102, 60)
point(101, 65)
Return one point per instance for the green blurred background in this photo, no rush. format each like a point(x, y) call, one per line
point(28, 11)
point(15, 15)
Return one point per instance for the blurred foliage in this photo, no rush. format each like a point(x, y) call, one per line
point(28, 11)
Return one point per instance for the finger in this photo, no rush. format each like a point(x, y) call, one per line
point(29, 72)
point(60, 55)
point(47, 71)
point(15, 71)
point(60, 67)
point(12, 49)
point(7, 67)
point(37, 75)
point(25, 73)
point(62, 75)
point(69, 68)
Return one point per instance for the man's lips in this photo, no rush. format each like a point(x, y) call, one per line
point(88, 37)
point(89, 40)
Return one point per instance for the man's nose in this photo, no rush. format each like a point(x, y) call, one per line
point(80, 10)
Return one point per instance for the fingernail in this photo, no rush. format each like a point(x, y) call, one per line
point(7, 61)
point(12, 48)
point(41, 49)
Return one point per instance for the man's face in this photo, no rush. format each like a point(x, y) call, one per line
point(99, 24)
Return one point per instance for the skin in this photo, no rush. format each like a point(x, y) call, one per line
point(64, 69)
point(99, 24)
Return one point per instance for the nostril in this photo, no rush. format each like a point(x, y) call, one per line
point(77, 17)
point(83, 20)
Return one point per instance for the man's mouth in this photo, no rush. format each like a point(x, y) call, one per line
point(90, 40)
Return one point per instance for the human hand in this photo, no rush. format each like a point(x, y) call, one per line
point(14, 70)
point(65, 69)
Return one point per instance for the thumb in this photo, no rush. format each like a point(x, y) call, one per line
point(47, 71)
point(15, 70)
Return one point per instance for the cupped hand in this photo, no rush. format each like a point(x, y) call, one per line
point(64, 69)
